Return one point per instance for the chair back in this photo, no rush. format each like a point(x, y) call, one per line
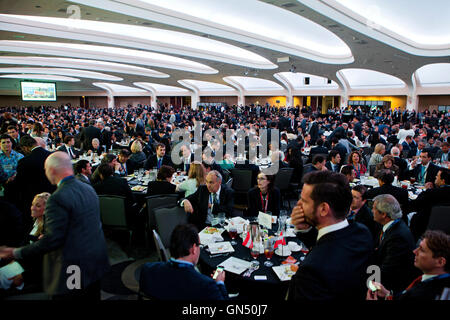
point(440, 219)
point(159, 201)
point(112, 211)
point(160, 248)
point(229, 183)
point(167, 219)
point(283, 178)
point(242, 180)
point(226, 175)
point(372, 169)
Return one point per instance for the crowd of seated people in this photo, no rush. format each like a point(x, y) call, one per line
point(391, 145)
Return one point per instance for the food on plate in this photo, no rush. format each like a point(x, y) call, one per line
point(211, 230)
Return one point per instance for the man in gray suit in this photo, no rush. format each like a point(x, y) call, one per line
point(73, 245)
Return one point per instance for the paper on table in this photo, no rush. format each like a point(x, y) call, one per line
point(206, 238)
point(236, 265)
point(284, 272)
point(11, 270)
point(265, 220)
point(220, 247)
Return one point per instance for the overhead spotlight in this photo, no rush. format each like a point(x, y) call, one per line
point(293, 69)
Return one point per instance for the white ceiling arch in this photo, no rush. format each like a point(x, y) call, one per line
point(297, 80)
point(415, 26)
point(137, 37)
point(368, 82)
point(80, 64)
point(120, 90)
point(63, 72)
point(436, 74)
point(256, 86)
point(162, 90)
point(207, 87)
point(115, 54)
point(40, 77)
point(244, 21)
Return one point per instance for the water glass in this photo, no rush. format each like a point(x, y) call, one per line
point(268, 251)
point(221, 216)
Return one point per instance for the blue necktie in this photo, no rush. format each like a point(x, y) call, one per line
point(159, 163)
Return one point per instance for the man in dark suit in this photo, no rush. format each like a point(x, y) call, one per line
point(424, 172)
point(209, 200)
point(318, 164)
point(73, 245)
point(177, 279)
point(360, 212)
point(416, 151)
point(126, 165)
point(83, 171)
point(111, 185)
point(187, 157)
point(337, 241)
point(67, 147)
point(313, 129)
point(385, 178)
point(399, 162)
point(159, 159)
point(89, 133)
point(30, 178)
point(339, 147)
point(334, 163)
point(394, 253)
point(432, 259)
point(319, 149)
point(443, 154)
point(437, 196)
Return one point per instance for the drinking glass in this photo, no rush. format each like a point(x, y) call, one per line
point(233, 234)
point(282, 221)
point(254, 252)
point(268, 251)
point(221, 216)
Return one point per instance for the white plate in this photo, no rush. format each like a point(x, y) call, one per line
point(294, 247)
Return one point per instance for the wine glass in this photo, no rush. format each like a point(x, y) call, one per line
point(233, 234)
point(268, 251)
point(221, 216)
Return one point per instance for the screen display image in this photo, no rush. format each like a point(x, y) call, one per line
point(38, 91)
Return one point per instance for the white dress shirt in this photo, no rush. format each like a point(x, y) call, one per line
point(334, 227)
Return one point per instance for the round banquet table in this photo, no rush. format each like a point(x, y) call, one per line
point(248, 287)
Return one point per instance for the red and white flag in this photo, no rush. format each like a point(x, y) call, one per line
point(248, 242)
point(279, 241)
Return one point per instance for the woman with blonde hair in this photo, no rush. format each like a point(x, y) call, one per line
point(377, 155)
point(196, 177)
point(37, 213)
point(137, 155)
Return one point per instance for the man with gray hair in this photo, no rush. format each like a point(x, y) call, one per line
point(209, 200)
point(73, 245)
point(399, 162)
point(394, 253)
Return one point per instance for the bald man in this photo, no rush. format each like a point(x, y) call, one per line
point(399, 162)
point(73, 245)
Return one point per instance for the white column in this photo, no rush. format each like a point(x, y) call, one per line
point(110, 99)
point(412, 100)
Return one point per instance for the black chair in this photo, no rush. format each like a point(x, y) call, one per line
point(167, 219)
point(372, 169)
point(157, 201)
point(440, 219)
point(163, 253)
point(242, 182)
point(282, 182)
point(113, 213)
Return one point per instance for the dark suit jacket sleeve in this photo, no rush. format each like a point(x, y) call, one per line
point(306, 285)
point(226, 202)
point(56, 225)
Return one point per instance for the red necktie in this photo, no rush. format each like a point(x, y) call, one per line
point(416, 281)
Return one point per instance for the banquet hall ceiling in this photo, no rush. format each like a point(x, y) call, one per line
point(367, 52)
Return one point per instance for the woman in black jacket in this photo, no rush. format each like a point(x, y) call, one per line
point(265, 197)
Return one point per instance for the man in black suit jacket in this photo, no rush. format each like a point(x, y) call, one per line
point(313, 129)
point(399, 162)
point(126, 166)
point(319, 149)
point(115, 186)
point(159, 159)
point(83, 171)
point(431, 258)
point(67, 147)
point(30, 178)
point(437, 196)
point(209, 200)
point(424, 172)
point(360, 212)
point(394, 253)
point(322, 275)
point(334, 163)
point(73, 244)
point(385, 178)
point(177, 279)
point(89, 133)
